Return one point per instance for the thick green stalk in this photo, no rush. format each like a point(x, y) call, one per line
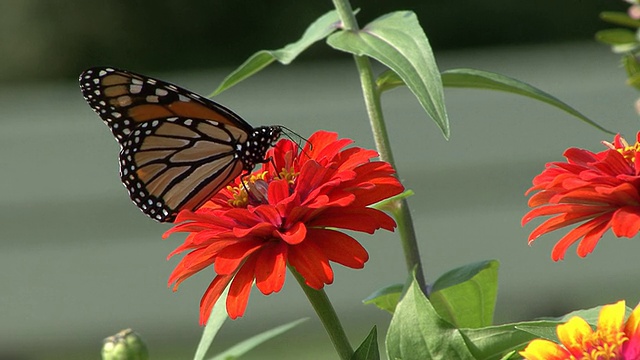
point(380, 135)
point(328, 317)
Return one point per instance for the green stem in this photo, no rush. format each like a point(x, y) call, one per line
point(328, 317)
point(380, 135)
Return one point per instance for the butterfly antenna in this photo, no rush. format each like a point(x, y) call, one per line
point(290, 132)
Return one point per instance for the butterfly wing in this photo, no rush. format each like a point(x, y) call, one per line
point(177, 148)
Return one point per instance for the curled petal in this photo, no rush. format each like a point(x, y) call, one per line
point(295, 234)
point(626, 221)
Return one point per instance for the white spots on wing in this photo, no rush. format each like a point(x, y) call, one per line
point(161, 92)
point(135, 89)
point(124, 100)
point(183, 98)
point(152, 99)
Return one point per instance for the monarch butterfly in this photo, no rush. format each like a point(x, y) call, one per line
point(177, 148)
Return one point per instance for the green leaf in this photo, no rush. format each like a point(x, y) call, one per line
point(590, 315)
point(391, 204)
point(466, 296)
point(493, 342)
point(545, 329)
point(386, 298)
point(619, 18)
point(632, 66)
point(368, 350)
point(397, 41)
point(616, 36)
point(216, 319)
point(417, 332)
point(472, 78)
point(318, 30)
point(243, 347)
point(389, 80)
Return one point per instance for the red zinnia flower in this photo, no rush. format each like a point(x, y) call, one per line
point(291, 216)
point(600, 190)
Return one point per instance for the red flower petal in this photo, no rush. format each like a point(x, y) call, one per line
point(271, 268)
point(229, 259)
point(240, 289)
point(359, 219)
point(339, 247)
point(626, 221)
point(312, 264)
point(295, 234)
point(211, 295)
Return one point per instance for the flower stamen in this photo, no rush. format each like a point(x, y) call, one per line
point(239, 197)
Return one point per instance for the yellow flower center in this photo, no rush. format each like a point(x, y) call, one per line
point(629, 151)
point(240, 198)
point(288, 174)
point(603, 346)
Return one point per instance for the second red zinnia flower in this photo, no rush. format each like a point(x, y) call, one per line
point(291, 215)
point(598, 190)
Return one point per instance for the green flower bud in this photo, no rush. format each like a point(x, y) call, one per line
point(125, 345)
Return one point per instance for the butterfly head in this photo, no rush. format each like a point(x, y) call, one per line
point(257, 144)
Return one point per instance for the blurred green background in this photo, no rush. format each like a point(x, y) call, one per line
point(79, 262)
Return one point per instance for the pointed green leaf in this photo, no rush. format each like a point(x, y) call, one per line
point(544, 330)
point(466, 296)
point(368, 350)
point(619, 18)
point(386, 298)
point(318, 30)
point(243, 347)
point(616, 36)
point(493, 342)
point(472, 78)
point(417, 332)
point(397, 41)
point(216, 319)
point(391, 204)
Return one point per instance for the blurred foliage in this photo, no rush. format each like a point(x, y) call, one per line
point(46, 39)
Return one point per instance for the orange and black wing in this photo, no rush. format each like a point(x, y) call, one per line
point(177, 148)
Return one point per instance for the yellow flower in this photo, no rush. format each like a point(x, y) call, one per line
point(612, 340)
